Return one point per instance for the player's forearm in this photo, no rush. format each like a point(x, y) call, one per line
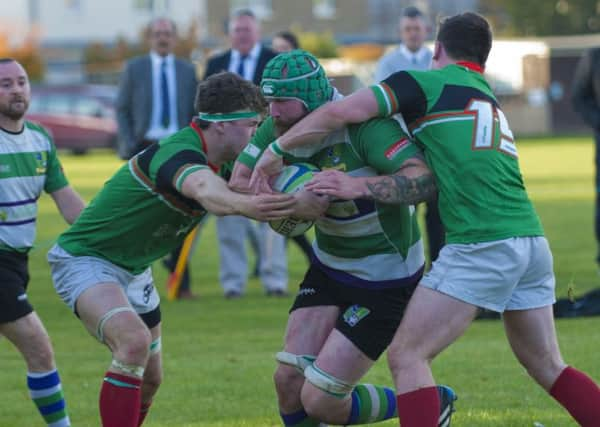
point(69, 203)
point(212, 193)
point(356, 108)
point(312, 128)
point(220, 200)
point(399, 188)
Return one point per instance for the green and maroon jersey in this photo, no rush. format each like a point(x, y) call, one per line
point(140, 214)
point(457, 121)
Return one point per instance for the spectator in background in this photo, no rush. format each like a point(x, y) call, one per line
point(155, 100)
point(586, 101)
point(412, 54)
point(284, 41)
point(30, 167)
point(247, 58)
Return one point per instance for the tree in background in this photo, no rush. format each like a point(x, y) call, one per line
point(543, 17)
point(99, 58)
point(322, 45)
point(27, 53)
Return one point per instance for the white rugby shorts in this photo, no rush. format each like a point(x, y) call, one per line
point(509, 274)
point(72, 275)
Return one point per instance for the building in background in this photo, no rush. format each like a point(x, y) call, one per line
point(69, 21)
point(349, 20)
point(65, 27)
point(531, 76)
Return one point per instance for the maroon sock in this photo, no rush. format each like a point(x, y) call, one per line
point(120, 400)
point(579, 395)
point(143, 412)
point(419, 408)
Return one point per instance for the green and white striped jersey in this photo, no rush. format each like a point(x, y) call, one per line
point(28, 166)
point(140, 214)
point(455, 118)
point(360, 242)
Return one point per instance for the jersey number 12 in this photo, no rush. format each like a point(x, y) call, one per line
point(487, 122)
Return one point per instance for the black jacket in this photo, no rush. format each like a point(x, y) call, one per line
point(220, 62)
point(586, 88)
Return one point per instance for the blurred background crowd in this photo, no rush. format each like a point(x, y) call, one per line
point(82, 42)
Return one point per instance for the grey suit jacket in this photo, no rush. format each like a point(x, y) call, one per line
point(134, 101)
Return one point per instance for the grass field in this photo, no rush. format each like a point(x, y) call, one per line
point(218, 355)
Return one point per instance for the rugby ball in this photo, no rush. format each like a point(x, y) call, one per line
point(291, 179)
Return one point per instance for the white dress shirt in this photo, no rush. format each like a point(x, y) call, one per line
point(249, 63)
point(156, 131)
point(417, 58)
point(400, 59)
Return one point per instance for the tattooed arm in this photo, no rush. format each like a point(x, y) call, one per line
point(411, 184)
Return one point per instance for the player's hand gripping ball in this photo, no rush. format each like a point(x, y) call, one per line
point(290, 180)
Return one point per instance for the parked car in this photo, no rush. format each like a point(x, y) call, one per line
point(79, 117)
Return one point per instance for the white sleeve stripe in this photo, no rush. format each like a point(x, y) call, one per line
point(185, 173)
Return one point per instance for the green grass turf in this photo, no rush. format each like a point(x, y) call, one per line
point(218, 355)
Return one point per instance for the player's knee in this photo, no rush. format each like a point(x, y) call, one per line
point(402, 358)
point(323, 393)
point(288, 382)
point(313, 401)
point(319, 404)
point(133, 346)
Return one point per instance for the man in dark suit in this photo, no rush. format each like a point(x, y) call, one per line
point(156, 92)
point(155, 100)
point(247, 57)
point(586, 101)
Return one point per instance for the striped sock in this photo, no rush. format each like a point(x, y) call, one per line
point(46, 391)
point(371, 403)
point(298, 419)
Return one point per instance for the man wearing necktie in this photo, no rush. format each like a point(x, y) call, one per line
point(156, 98)
point(412, 54)
point(247, 57)
point(156, 92)
point(242, 67)
point(164, 96)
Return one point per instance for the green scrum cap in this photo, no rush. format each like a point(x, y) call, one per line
point(296, 75)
